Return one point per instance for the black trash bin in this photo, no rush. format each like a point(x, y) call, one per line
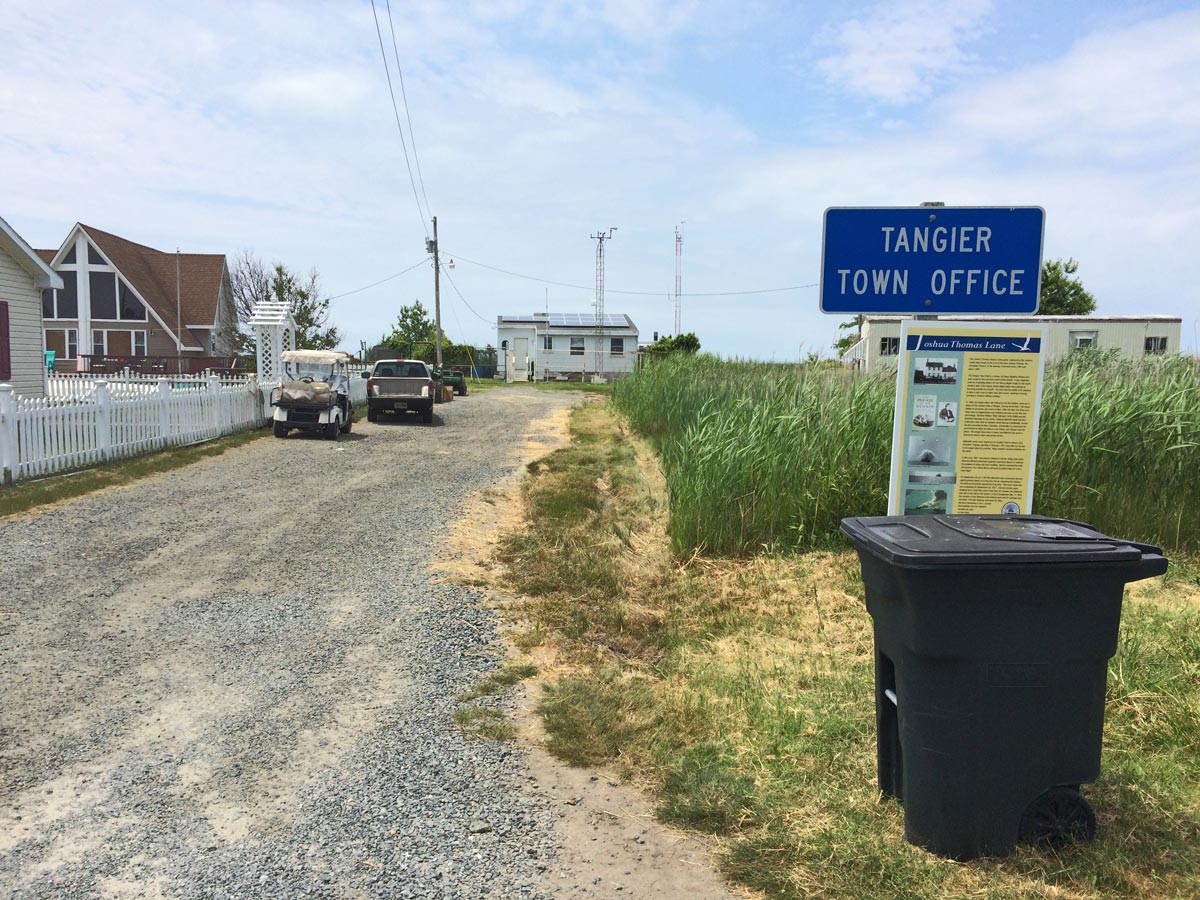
point(992, 641)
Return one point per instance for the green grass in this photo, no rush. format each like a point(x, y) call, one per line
point(484, 722)
point(500, 681)
point(26, 495)
point(739, 691)
point(762, 456)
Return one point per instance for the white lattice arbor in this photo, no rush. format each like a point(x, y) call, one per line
point(274, 332)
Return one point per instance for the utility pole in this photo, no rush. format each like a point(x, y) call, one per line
point(678, 277)
point(178, 320)
point(432, 247)
point(600, 237)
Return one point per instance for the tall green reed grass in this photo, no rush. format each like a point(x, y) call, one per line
point(772, 456)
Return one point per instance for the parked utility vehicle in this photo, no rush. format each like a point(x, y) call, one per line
point(401, 385)
point(314, 394)
point(453, 378)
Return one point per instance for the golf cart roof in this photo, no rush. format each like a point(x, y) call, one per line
point(319, 357)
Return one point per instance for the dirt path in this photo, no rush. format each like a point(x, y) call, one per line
point(238, 679)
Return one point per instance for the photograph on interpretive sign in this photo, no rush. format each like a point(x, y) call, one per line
point(925, 450)
point(924, 409)
point(939, 478)
point(980, 386)
point(925, 503)
point(936, 371)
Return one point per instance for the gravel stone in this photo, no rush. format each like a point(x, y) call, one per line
point(238, 679)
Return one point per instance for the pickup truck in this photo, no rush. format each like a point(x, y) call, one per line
point(401, 385)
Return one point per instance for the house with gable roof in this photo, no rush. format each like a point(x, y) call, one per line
point(126, 305)
point(23, 277)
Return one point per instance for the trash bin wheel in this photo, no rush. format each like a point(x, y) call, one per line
point(1061, 814)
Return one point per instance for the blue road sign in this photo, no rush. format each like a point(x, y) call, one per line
point(938, 260)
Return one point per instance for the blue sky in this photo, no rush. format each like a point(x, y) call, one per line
point(268, 126)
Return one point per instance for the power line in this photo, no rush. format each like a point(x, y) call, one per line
point(388, 71)
point(446, 272)
point(412, 135)
point(582, 287)
point(379, 282)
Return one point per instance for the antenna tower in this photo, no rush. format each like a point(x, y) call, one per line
point(678, 276)
point(600, 237)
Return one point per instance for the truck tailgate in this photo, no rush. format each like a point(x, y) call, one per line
point(399, 387)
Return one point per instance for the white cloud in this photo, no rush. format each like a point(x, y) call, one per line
point(327, 90)
point(898, 49)
point(1121, 94)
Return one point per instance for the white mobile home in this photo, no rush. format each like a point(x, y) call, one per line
point(548, 346)
point(23, 277)
point(1132, 336)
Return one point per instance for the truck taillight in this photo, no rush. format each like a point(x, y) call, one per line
point(368, 385)
point(431, 387)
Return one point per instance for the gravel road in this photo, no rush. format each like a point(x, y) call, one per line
point(237, 679)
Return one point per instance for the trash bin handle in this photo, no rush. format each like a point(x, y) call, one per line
point(1152, 562)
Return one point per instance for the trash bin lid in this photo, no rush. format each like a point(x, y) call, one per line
point(937, 541)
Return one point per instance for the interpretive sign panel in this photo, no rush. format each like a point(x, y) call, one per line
point(968, 402)
point(938, 260)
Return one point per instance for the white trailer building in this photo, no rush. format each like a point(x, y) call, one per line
point(1132, 336)
point(549, 346)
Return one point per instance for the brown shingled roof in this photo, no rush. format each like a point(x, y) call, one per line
point(152, 274)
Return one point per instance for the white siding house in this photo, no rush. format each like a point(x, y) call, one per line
point(23, 276)
point(564, 345)
point(1132, 336)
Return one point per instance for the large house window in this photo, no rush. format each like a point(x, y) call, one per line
point(616, 347)
point(1156, 345)
point(104, 294)
point(547, 342)
point(577, 346)
point(63, 304)
point(63, 341)
point(70, 257)
point(130, 307)
point(1082, 340)
point(94, 257)
point(889, 346)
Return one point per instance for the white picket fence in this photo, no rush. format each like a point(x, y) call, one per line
point(83, 424)
point(131, 384)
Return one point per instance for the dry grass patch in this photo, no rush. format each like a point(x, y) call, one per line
point(740, 692)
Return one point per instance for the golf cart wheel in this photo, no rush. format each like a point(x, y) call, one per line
point(281, 429)
point(331, 430)
point(462, 391)
point(348, 424)
point(1059, 816)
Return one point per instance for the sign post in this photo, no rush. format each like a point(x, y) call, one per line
point(968, 403)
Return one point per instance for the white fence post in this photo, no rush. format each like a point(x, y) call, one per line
point(8, 434)
point(164, 412)
point(103, 420)
point(214, 404)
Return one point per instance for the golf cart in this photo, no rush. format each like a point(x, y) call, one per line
point(314, 394)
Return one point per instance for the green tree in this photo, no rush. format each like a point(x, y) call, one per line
point(252, 283)
point(846, 341)
point(1062, 294)
point(681, 343)
point(309, 309)
point(413, 326)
